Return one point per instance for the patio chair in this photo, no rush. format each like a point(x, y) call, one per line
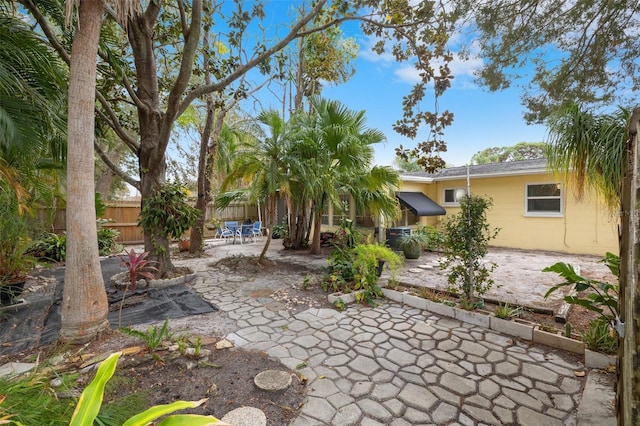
point(257, 229)
point(223, 233)
point(232, 226)
point(246, 231)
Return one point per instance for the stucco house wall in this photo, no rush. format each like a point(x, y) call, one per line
point(583, 227)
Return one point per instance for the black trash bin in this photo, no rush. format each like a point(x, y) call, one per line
point(393, 234)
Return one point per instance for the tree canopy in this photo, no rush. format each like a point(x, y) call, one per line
point(517, 152)
point(582, 50)
point(154, 61)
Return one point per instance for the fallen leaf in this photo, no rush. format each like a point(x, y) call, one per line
point(579, 373)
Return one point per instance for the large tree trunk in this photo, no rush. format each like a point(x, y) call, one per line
point(298, 225)
point(84, 302)
point(628, 395)
point(156, 125)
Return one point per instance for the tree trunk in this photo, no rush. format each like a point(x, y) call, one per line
point(156, 123)
point(269, 218)
point(151, 155)
point(205, 168)
point(105, 180)
point(84, 301)
point(628, 393)
point(298, 225)
point(317, 226)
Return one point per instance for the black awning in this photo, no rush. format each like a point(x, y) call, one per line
point(420, 204)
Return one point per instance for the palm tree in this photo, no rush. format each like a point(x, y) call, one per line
point(591, 147)
point(32, 111)
point(260, 167)
point(84, 303)
point(343, 157)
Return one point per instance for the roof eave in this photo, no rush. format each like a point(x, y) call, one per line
point(538, 171)
point(422, 179)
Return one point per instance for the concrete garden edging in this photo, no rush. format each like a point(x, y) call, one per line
point(513, 327)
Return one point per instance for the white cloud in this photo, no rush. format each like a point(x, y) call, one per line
point(462, 70)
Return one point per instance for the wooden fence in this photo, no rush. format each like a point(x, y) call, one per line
point(123, 217)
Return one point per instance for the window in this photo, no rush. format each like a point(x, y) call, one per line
point(364, 219)
point(325, 215)
point(452, 196)
point(544, 199)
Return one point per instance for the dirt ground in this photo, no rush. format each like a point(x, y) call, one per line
point(226, 376)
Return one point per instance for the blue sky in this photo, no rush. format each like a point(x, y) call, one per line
point(482, 119)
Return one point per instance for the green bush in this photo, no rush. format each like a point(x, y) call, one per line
point(51, 247)
point(357, 268)
point(107, 241)
point(601, 297)
point(166, 212)
point(467, 236)
point(435, 238)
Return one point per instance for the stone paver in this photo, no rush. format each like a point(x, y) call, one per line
point(399, 366)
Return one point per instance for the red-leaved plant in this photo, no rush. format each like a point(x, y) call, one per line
point(135, 263)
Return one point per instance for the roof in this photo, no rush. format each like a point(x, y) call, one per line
point(507, 168)
point(420, 204)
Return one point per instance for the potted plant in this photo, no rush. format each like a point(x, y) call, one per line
point(412, 244)
point(15, 262)
point(184, 243)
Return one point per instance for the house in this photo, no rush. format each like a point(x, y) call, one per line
point(532, 207)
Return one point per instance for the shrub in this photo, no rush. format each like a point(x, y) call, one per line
point(51, 247)
point(107, 241)
point(602, 297)
point(166, 212)
point(435, 239)
point(467, 236)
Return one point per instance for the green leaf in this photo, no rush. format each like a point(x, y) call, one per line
point(191, 420)
point(153, 413)
point(91, 398)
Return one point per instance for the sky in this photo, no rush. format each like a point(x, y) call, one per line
point(481, 119)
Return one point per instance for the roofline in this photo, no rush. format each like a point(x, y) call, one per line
point(538, 171)
point(423, 179)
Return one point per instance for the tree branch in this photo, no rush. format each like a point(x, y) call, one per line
point(293, 34)
point(105, 158)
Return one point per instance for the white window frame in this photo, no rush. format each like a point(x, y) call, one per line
point(560, 197)
point(458, 192)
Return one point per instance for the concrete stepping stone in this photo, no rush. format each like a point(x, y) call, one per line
point(425, 266)
point(416, 270)
point(15, 368)
point(245, 416)
point(273, 380)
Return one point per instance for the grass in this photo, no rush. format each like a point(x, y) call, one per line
point(429, 294)
point(31, 399)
